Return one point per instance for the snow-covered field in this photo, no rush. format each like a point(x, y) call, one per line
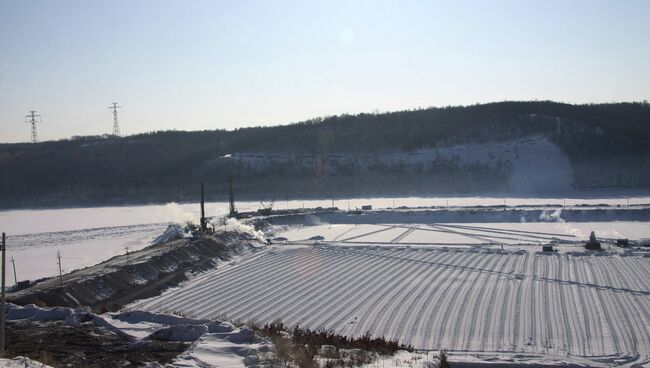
point(531, 233)
point(432, 285)
point(35, 255)
point(87, 236)
point(518, 304)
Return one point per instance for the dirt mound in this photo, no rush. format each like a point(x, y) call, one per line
point(143, 274)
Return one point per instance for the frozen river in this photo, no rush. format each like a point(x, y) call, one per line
point(86, 236)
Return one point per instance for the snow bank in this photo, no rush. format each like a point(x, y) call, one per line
point(190, 332)
point(160, 318)
point(220, 327)
point(218, 343)
point(172, 232)
point(21, 362)
point(34, 313)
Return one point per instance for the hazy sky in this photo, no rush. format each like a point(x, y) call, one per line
point(191, 65)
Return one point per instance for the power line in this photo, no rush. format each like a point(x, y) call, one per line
point(33, 119)
point(116, 126)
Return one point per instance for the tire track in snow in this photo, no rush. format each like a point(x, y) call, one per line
point(451, 318)
point(296, 281)
point(405, 233)
point(500, 317)
point(548, 307)
point(400, 322)
point(578, 316)
point(416, 317)
point(339, 298)
point(302, 290)
point(369, 271)
point(395, 302)
point(613, 329)
point(345, 232)
point(569, 327)
point(471, 236)
point(344, 312)
point(430, 332)
point(478, 306)
point(518, 329)
point(203, 300)
point(589, 306)
point(466, 306)
point(625, 302)
point(197, 285)
point(545, 236)
point(380, 302)
point(366, 234)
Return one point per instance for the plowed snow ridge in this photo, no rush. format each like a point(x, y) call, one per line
point(595, 307)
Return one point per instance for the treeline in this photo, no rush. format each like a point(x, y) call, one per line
point(606, 143)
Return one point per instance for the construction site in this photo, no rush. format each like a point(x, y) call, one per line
point(537, 278)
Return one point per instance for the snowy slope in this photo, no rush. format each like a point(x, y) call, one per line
point(21, 362)
point(35, 255)
point(578, 305)
point(538, 165)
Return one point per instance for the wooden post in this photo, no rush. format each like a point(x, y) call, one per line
point(204, 223)
point(13, 262)
point(2, 306)
point(58, 256)
point(128, 259)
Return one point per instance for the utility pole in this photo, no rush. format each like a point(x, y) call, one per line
point(233, 209)
point(2, 307)
point(204, 222)
point(58, 256)
point(116, 126)
point(32, 119)
point(128, 259)
point(15, 278)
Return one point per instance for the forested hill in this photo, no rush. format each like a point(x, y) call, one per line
point(348, 155)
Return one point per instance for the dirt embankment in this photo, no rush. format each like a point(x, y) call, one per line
point(126, 278)
point(87, 345)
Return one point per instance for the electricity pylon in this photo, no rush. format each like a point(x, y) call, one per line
point(32, 119)
point(116, 126)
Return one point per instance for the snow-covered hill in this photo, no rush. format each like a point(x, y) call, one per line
point(533, 164)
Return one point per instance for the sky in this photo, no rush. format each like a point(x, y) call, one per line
point(195, 65)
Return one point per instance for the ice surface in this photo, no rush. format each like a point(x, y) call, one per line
point(35, 255)
point(17, 222)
